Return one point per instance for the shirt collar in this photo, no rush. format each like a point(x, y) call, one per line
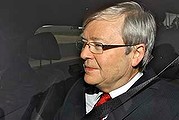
point(125, 87)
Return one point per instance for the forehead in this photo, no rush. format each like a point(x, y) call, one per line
point(104, 30)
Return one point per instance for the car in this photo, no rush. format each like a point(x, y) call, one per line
point(38, 46)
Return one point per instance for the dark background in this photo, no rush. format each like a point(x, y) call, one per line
point(20, 18)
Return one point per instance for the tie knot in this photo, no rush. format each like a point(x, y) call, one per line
point(103, 98)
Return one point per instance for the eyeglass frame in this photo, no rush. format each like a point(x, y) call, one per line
point(99, 44)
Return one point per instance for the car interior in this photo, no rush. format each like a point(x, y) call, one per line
point(36, 54)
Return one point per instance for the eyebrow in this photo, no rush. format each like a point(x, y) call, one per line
point(96, 39)
point(93, 38)
point(83, 38)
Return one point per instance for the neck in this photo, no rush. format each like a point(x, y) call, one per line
point(119, 83)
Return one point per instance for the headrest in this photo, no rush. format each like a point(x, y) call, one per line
point(43, 46)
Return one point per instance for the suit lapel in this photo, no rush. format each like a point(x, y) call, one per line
point(74, 104)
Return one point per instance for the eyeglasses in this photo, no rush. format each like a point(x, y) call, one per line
point(96, 47)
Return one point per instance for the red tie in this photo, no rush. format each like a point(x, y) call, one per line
point(103, 98)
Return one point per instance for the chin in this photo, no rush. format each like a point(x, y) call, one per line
point(89, 80)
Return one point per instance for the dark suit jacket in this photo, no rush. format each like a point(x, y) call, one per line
point(47, 103)
point(157, 101)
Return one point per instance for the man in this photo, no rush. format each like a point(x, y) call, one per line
point(116, 46)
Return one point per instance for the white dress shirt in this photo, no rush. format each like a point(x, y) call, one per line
point(91, 99)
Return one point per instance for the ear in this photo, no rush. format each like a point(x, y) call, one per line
point(138, 54)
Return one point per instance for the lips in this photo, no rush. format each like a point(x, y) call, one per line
point(89, 68)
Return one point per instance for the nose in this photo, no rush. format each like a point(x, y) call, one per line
point(86, 53)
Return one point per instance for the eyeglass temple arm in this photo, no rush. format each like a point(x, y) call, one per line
point(105, 47)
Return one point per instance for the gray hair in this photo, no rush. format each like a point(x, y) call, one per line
point(139, 26)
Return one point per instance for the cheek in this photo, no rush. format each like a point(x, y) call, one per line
point(114, 66)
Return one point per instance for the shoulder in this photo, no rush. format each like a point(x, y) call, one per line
point(165, 97)
point(167, 88)
point(160, 101)
point(49, 101)
point(58, 91)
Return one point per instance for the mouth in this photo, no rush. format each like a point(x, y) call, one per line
point(89, 68)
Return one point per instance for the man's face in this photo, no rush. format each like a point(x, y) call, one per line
point(113, 67)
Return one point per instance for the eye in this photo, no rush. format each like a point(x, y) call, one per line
point(98, 44)
point(83, 40)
